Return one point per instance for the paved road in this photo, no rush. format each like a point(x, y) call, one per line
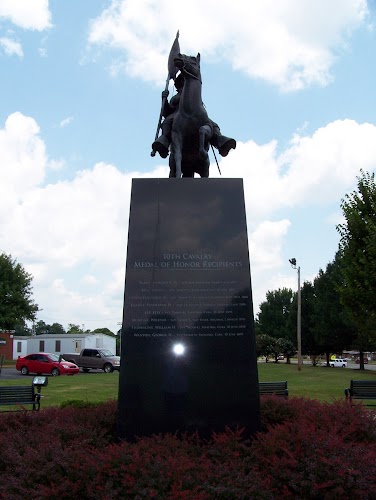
point(10, 373)
point(350, 366)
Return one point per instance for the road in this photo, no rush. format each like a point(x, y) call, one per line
point(10, 373)
point(306, 362)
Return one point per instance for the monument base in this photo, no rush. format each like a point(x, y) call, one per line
point(188, 359)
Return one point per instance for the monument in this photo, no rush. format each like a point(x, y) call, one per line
point(188, 360)
point(187, 130)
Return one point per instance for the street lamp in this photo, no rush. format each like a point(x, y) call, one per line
point(299, 320)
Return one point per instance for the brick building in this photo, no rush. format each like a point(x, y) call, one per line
point(6, 344)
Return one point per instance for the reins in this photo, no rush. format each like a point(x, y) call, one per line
point(190, 74)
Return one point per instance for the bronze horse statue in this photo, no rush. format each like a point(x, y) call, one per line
point(192, 129)
point(189, 131)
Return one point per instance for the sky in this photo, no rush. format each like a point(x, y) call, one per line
point(292, 81)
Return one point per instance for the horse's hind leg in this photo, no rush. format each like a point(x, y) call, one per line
point(203, 169)
point(189, 174)
point(205, 133)
point(176, 147)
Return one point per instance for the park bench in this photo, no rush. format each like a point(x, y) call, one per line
point(273, 388)
point(21, 396)
point(361, 389)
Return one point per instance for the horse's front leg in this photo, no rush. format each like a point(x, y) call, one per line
point(177, 148)
point(205, 133)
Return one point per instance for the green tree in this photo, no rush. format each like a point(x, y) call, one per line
point(105, 331)
point(16, 304)
point(41, 328)
point(358, 261)
point(265, 345)
point(75, 329)
point(273, 317)
point(332, 328)
point(57, 329)
point(287, 348)
point(21, 330)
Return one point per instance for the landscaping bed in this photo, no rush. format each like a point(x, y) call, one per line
point(307, 449)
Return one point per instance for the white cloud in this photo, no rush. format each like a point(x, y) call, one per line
point(89, 279)
point(66, 121)
point(56, 164)
point(11, 47)
point(270, 282)
point(335, 218)
point(71, 235)
point(42, 51)
point(32, 15)
point(314, 169)
point(266, 242)
point(321, 166)
point(22, 160)
point(289, 43)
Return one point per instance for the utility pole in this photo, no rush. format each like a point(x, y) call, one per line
point(299, 318)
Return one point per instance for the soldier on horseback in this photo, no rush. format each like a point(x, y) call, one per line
point(187, 130)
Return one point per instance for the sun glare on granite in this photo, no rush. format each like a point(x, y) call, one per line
point(178, 349)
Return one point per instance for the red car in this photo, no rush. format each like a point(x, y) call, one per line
point(364, 359)
point(45, 362)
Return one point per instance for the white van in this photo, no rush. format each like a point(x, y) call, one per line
point(340, 363)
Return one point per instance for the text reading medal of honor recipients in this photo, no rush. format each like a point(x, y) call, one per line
point(189, 308)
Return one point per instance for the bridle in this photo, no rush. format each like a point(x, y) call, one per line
point(184, 70)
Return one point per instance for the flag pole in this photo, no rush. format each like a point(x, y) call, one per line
point(164, 98)
point(175, 49)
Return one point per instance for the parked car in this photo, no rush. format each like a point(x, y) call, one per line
point(45, 362)
point(339, 363)
point(100, 359)
point(364, 359)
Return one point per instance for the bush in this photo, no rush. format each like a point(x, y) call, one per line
point(307, 449)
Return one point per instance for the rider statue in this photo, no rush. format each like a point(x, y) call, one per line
point(162, 144)
point(187, 130)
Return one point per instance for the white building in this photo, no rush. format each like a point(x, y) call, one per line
point(19, 346)
point(60, 344)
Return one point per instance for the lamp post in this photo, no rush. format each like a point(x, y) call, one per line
point(299, 320)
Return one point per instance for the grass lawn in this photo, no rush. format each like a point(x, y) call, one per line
point(322, 383)
point(316, 382)
point(92, 387)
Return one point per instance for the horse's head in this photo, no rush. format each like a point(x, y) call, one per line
point(188, 65)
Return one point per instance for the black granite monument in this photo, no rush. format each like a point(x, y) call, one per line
point(188, 359)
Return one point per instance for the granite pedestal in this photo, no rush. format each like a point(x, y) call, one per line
point(188, 359)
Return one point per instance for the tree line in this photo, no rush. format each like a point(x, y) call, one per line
point(338, 309)
point(42, 328)
point(18, 311)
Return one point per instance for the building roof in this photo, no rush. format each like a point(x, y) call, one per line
point(72, 336)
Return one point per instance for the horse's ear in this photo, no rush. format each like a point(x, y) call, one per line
point(198, 57)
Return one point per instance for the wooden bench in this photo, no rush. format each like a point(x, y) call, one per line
point(274, 388)
point(21, 396)
point(361, 389)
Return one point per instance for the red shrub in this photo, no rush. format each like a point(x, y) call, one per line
point(308, 450)
point(322, 449)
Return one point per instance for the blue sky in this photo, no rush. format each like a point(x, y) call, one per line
point(292, 81)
